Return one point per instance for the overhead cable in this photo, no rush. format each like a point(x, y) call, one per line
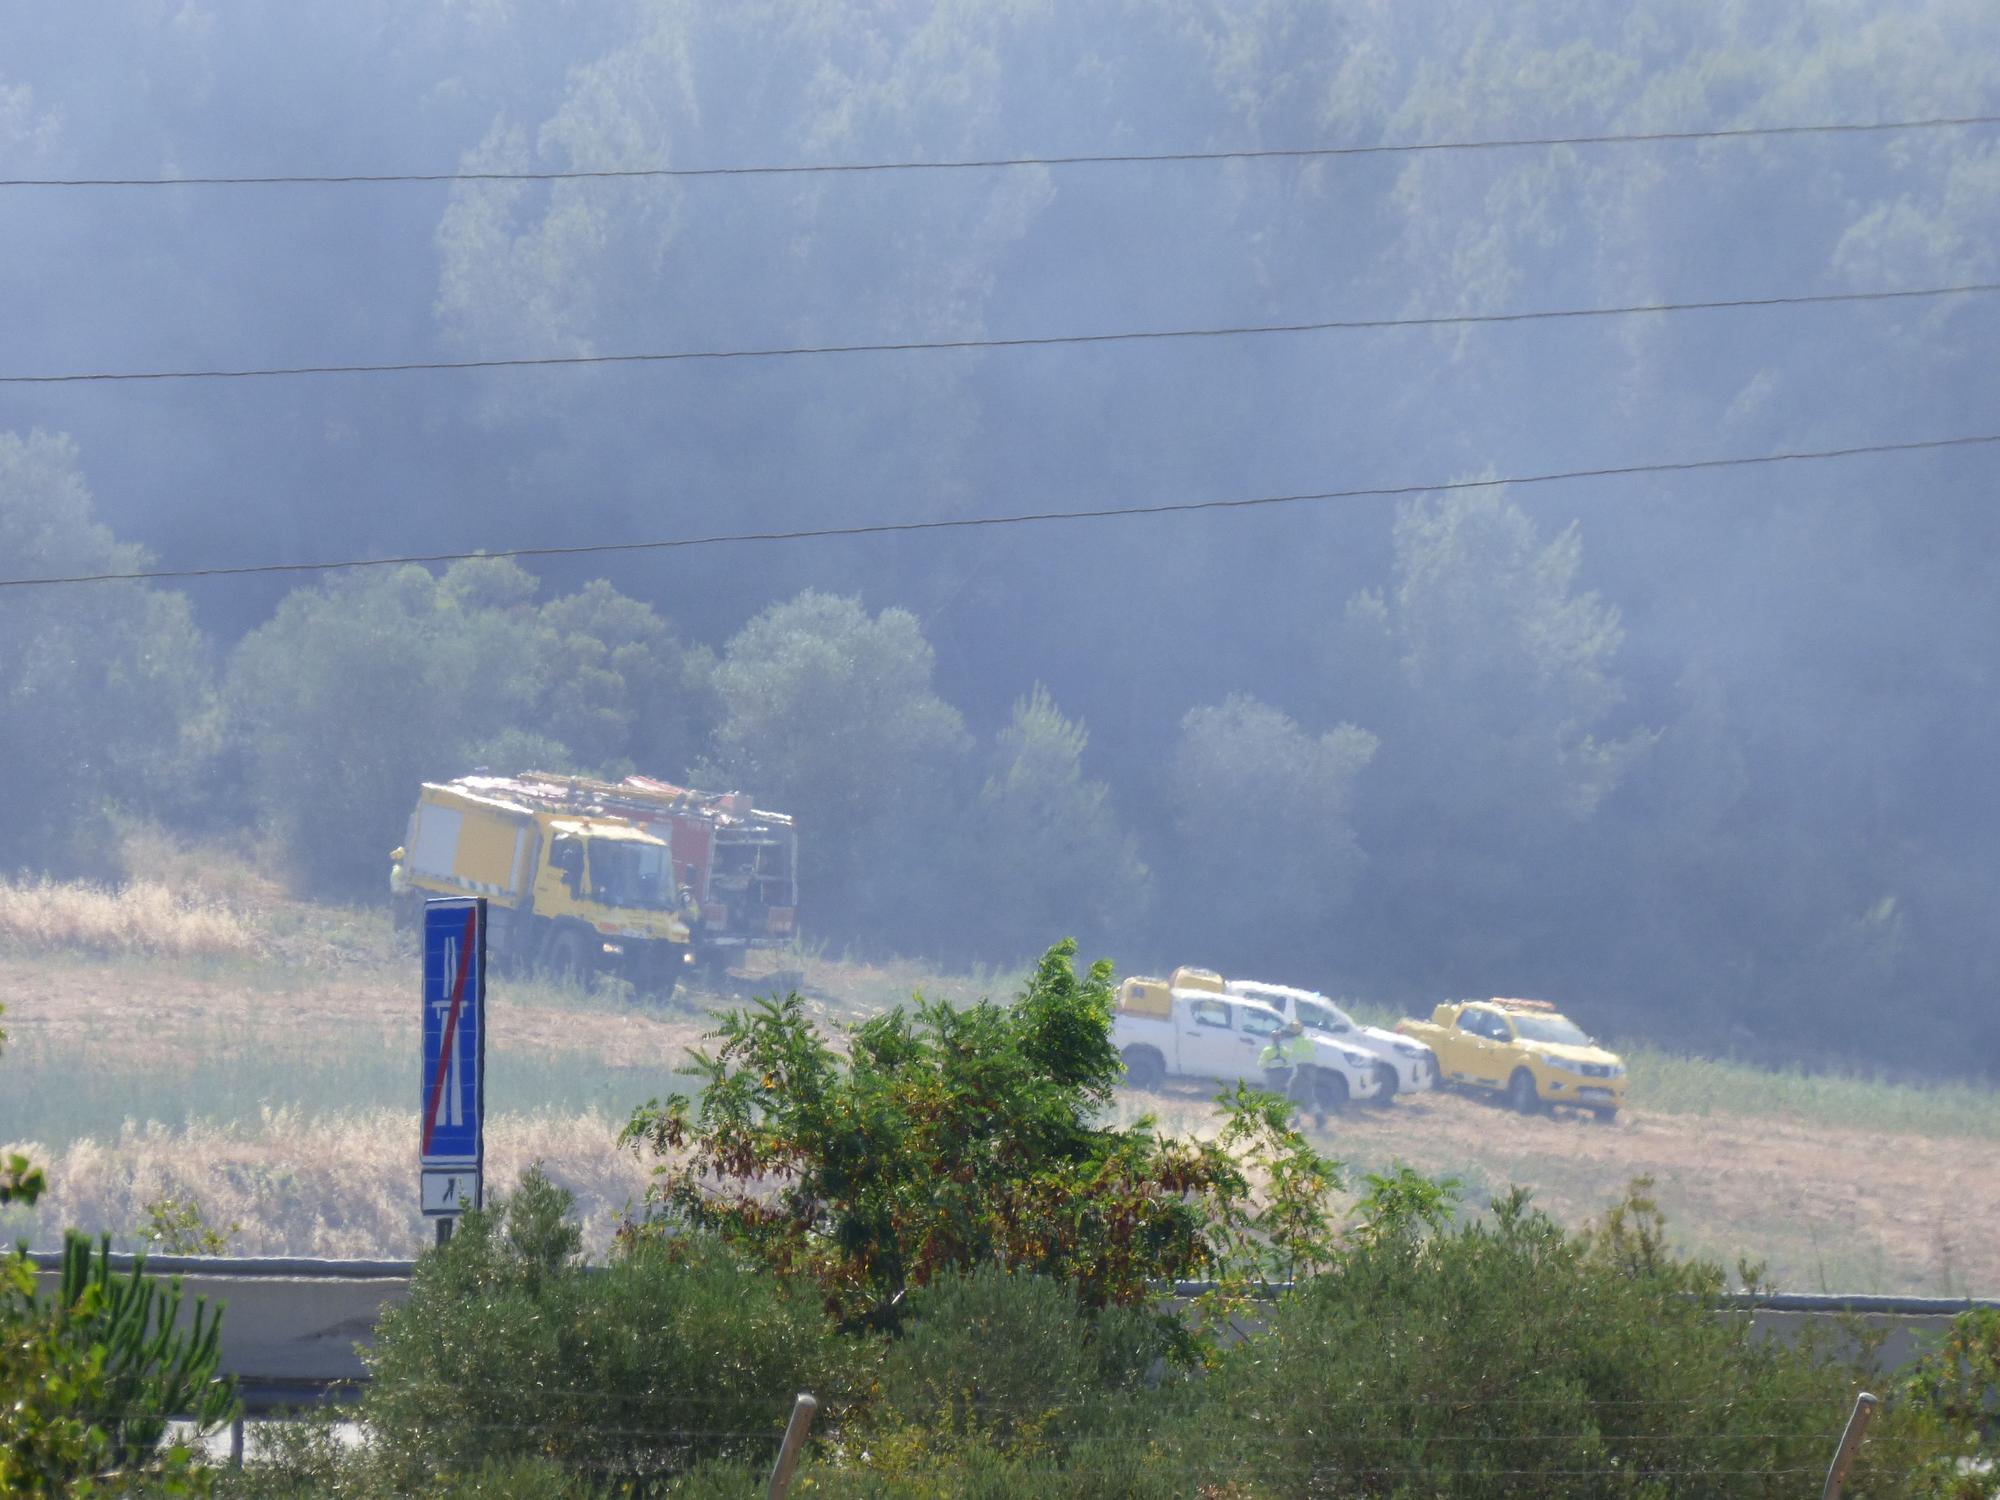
point(1035, 341)
point(1095, 159)
point(964, 523)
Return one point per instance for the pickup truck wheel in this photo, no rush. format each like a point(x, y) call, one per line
point(1387, 1076)
point(1331, 1092)
point(1521, 1092)
point(1606, 1114)
point(1144, 1068)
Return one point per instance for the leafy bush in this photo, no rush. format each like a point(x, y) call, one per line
point(1506, 1354)
point(942, 1140)
point(89, 1378)
point(178, 1226)
point(308, 1459)
point(1947, 1412)
point(921, 1464)
point(509, 1347)
point(1014, 1358)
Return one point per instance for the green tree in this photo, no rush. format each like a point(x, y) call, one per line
point(1509, 670)
point(1265, 853)
point(937, 1139)
point(1045, 845)
point(359, 689)
point(623, 690)
point(1496, 684)
point(104, 688)
point(828, 713)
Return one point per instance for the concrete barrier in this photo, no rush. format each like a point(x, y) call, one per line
point(294, 1327)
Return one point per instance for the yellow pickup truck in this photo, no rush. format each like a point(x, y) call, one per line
point(1524, 1049)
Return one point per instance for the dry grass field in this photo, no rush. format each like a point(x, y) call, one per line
point(258, 1056)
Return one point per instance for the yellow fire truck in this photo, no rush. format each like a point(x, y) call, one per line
point(568, 894)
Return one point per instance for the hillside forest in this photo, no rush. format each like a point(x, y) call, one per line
point(1705, 756)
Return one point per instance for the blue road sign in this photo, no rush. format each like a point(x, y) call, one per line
point(454, 1094)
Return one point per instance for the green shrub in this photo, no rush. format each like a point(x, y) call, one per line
point(307, 1459)
point(509, 1347)
point(1506, 1356)
point(937, 1139)
point(1942, 1425)
point(1014, 1358)
point(89, 1378)
point(929, 1467)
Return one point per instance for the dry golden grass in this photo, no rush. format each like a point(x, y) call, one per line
point(333, 1185)
point(144, 917)
point(231, 874)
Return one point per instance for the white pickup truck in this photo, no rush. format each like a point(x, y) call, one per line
point(1181, 1033)
point(1405, 1066)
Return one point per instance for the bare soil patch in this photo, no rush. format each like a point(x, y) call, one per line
point(1825, 1209)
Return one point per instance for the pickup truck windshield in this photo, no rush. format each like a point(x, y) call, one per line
point(1556, 1029)
point(631, 875)
point(1322, 1017)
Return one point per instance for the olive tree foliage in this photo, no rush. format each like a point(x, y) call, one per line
point(1265, 855)
point(1045, 847)
point(103, 687)
point(828, 712)
point(360, 689)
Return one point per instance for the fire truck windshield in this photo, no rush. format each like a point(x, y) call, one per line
point(623, 874)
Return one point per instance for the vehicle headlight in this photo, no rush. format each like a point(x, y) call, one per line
point(1617, 1071)
point(1411, 1049)
point(1357, 1059)
point(1563, 1065)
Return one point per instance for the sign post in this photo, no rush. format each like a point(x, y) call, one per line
point(451, 1158)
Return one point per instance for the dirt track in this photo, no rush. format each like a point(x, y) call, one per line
point(1826, 1207)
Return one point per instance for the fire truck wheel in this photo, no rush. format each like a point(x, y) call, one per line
point(564, 958)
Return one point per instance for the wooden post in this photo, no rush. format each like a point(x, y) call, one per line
point(1850, 1444)
point(236, 1442)
point(793, 1445)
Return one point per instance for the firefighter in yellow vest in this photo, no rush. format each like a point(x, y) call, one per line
point(1287, 1061)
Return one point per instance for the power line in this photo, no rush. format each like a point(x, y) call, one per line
point(883, 528)
point(1274, 153)
point(1039, 341)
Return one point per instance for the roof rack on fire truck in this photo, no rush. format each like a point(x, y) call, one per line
point(644, 792)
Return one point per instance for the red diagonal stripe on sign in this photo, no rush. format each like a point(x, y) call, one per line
point(450, 1026)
